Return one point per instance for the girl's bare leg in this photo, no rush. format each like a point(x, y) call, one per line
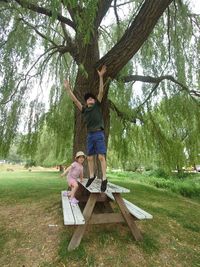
point(74, 189)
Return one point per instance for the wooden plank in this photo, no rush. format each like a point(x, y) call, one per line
point(127, 216)
point(79, 232)
point(67, 211)
point(71, 213)
point(106, 218)
point(95, 187)
point(78, 216)
point(117, 189)
point(83, 194)
point(136, 211)
point(138, 215)
point(110, 195)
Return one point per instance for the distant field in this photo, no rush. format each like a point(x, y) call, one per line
point(32, 231)
point(17, 167)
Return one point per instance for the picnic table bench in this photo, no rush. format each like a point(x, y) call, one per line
point(73, 215)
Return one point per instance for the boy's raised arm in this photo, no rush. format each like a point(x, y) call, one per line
point(71, 95)
point(101, 73)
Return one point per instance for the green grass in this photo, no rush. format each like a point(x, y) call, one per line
point(29, 201)
point(29, 186)
point(189, 186)
point(6, 235)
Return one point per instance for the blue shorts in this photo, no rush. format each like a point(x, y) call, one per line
point(96, 143)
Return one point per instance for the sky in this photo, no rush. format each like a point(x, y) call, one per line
point(195, 5)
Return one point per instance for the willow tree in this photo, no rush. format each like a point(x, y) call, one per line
point(68, 37)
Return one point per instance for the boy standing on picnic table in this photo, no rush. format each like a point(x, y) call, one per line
point(95, 128)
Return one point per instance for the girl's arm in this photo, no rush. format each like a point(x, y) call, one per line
point(66, 171)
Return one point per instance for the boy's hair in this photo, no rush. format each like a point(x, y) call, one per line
point(88, 95)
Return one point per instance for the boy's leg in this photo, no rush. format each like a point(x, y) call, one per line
point(101, 151)
point(91, 170)
point(90, 158)
point(102, 160)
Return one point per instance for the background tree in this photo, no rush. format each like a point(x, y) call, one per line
point(157, 43)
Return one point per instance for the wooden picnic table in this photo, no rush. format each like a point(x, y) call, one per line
point(92, 195)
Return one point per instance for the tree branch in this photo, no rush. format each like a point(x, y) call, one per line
point(38, 32)
point(168, 34)
point(149, 96)
point(44, 11)
point(103, 6)
point(72, 11)
point(72, 47)
point(146, 79)
point(193, 19)
point(115, 11)
point(60, 48)
point(134, 36)
point(123, 4)
point(157, 80)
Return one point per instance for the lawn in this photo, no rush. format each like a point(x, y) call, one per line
point(32, 231)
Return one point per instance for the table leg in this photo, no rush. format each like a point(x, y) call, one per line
point(128, 218)
point(79, 232)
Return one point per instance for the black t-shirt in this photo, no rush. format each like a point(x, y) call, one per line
point(93, 116)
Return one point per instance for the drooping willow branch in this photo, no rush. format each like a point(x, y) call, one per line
point(149, 96)
point(38, 32)
point(124, 116)
point(116, 14)
point(42, 10)
point(157, 80)
point(27, 74)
